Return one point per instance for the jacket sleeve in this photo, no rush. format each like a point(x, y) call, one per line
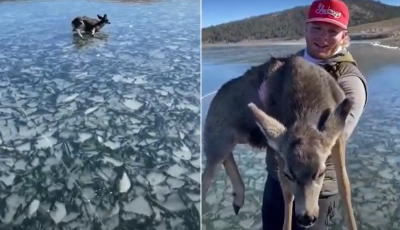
point(354, 88)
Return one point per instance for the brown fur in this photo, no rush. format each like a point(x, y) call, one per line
point(306, 111)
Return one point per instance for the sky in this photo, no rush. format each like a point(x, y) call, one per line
point(215, 12)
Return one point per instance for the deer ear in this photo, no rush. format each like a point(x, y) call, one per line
point(272, 129)
point(342, 111)
point(333, 123)
point(99, 17)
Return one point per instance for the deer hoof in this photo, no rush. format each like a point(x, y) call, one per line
point(236, 208)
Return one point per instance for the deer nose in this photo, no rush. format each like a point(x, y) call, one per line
point(306, 220)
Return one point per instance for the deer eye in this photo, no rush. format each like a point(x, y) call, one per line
point(288, 176)
point(319, 175)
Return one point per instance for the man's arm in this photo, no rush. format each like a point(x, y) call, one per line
point(354, 88)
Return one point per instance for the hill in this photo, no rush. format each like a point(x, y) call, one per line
point(288, 24)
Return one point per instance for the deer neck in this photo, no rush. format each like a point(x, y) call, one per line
point(99, 25)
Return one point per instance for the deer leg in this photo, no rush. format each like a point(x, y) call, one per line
point(215, 159)
point(287, 196)
point(93, 31)
point(338, 158)
point(216, 150)
point(237, 183)
point(206, 179)
point(208, 174)
point(79, 33)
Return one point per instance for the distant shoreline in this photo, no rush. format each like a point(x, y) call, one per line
point(390, 43)
point(385, 46)
point(255, 43)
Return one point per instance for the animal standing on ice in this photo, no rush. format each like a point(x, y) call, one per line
point(89, 25)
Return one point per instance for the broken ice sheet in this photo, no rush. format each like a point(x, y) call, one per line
point(183, 153)
point(83, 120)
point(132, 104)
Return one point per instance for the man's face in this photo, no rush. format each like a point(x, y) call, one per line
point(323, 39)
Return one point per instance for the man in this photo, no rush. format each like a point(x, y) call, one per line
point(326, 44)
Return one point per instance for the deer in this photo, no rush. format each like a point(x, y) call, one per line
point(297, 109)
point(89, 25)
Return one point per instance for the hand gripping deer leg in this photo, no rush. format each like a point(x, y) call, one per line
point(338, 158)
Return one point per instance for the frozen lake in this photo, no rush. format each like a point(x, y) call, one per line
point(100, 133)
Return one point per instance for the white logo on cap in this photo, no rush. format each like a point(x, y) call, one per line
point(321, 10)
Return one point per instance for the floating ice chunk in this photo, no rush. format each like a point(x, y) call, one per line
point(112, 145)
point(134, 120)
point(91, 110)
point(71, 216)
point(195, 163)
point(171, 47)
point(157, 54)
point(35, 162)
point(33, 207)
point(51, 90)
point(12, 203)
point(109, 55)
point(246, 224)
point(43, 143)
point(174, 203)
point(124, 183)
point(195, 177)
point(71, 98)
point(8, 161)
point(132, 104)
point(121, 78)
point(71, 181)
point(139, 80)
point(117, 77)
point(8, 179)
point(20, 165)
point(84, 136)
point(97, 99)
point(112, 161)
point(175, 183)
point(139, 206)
point(176, 170)
point(114, 210)
point(161, 192)
point(155, 178)
point(81, 75)
point(183, 153)
point(163, 226)
point(59, 213)
point(24, 147)
point(197, 205)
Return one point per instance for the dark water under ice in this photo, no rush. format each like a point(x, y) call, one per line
point(100, 133)
point(372, 159)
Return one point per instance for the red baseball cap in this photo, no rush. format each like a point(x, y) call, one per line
point(330, 11)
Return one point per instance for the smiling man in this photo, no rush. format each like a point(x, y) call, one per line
point(326, 45)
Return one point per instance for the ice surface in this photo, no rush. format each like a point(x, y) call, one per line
point(99, 133)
